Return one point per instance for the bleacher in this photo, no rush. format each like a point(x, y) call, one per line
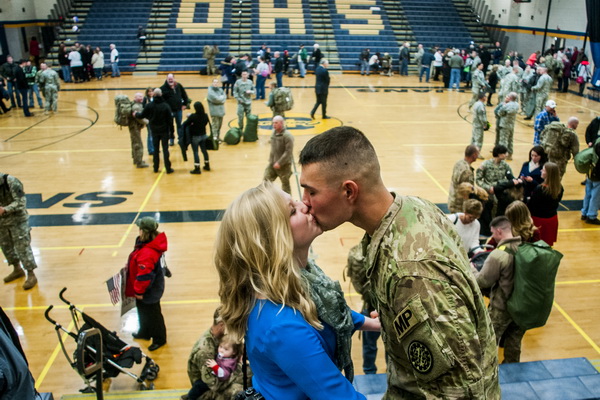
point(179, 29)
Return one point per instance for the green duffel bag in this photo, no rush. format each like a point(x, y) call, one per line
point(232, 136)
point(251, 130)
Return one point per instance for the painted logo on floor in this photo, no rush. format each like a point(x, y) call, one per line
point(298, 124)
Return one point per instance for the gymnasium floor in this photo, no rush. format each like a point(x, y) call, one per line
point(84, 194)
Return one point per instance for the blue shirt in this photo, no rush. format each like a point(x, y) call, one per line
point(291, 360)
point(541, 120)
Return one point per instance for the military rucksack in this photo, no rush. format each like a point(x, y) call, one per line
point(283, 99)
point(535, 268)
point(587, 159)
point(555, 139)
point(122, 110)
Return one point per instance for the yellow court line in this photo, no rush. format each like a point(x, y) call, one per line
point(421, 122)
point(578, 282)
point(40, 379)
point(142, 206)
point(432, 178)
point(66, 151)
point(577, 328)
point(346, 89)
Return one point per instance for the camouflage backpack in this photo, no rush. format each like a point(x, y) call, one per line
point(122, 110)
point(554, 139)
point(283, 99)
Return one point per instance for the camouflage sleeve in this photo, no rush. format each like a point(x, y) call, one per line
point(574, 144)
point(466, 175)
point(481, 178)
point(287, 157)
point(203, 350)
point(19, 202)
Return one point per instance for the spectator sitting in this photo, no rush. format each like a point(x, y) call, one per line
point(531, 171)
point(374, 62)
point(467, 226)
point(544, 203)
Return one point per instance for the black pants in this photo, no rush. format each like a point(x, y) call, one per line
point(152, 323)
point(197, 390)
point(160, 140)
point(322, 101)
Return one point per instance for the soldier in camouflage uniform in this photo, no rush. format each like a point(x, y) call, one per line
point(510, 83)
point(243, 91)
point(281, 156)
point(437, 333)
point(506, 114)
point(525, 90)
point(205, 349)
point(480, 121)
point(15, 238)
point(210, 52)
point(492, 172)
point(271, 102)
point(135, 132)
point(542, 89)
point(462, 172)
point(478, 82)
point(49, 84)
point(560, 142)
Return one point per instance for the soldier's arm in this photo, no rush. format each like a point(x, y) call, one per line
point(490, 272)
point(481, 180)
point(289, 148)
point(574, 144)
point(204, 353)
point(19, 201)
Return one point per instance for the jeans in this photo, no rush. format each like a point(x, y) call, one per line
point(149, 144)
point(66, 70)
point(404, 67)
point(25, 104)
point(260, 87)
point(35, 89)
point(177, 119)
point(369, 349)
point(12, 90)
point(199, 141)
point(98, 73)
point(364, 67)
point(279, 77)
point(302, 68)
point(115, 69)
point(424, 71)
point(454, 78)
point(591, 201)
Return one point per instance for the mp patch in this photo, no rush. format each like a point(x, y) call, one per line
point(420, 357)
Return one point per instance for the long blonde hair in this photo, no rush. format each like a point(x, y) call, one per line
point(551, 185)
point(254, 257)
point(520, 218)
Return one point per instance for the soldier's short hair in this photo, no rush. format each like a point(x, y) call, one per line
point(473, 207)
point(471, 150)
point(513, 95)
point(481, 95)
point(499, 149)
point(501, 222)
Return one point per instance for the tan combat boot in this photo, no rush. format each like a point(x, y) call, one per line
point(31, 281)
point(15, 274)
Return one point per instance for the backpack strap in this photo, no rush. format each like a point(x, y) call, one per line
point(456, 218)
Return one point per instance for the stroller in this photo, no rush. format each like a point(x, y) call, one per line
point(100, 353)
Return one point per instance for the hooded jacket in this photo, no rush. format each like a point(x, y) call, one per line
point(145, 274)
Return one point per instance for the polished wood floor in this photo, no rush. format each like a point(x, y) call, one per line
point(418, 131)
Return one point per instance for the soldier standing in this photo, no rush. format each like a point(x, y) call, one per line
point(510, 83)
point(437, 333)
point(210, 52)
point(281, 156)
point(216, 106)
point(478, 83)
point(135, 132)
point(49, 83)
point(506, 114)
point(492, 172)
point(480, 121)
point(462, 172)
point(15, 238)
point(542, 89)
point(561, 142)
point(243, 91)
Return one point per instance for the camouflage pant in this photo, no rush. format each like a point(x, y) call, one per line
point(562, 165)
point(540, 102)
point(477, 136)
point(210, 66)
point(474, 98)
point(15, 241)
point(505, 327)
point(51, 96)
point(137, 148)
point(505, 137)
point(284, 173)
point(278, 112)
point(216, 123)
point(241, 110)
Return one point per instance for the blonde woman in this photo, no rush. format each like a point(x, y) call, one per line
point(522, 224)
point(544, 202)
point(267, 287)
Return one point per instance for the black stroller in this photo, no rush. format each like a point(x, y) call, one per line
point(100, 353)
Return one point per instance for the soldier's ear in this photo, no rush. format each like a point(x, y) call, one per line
point(350, 190)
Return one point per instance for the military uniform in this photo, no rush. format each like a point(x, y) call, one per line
point(462, 172)
point(489, 174)
point(216, 106)
point(478, 83)
point(480, 122)
point(244, 99)
point(510, 83)
point(49, 83)
point(210, 52)
point(542, 91)
point(204, 349)
point(437, 333)
point(135, 133)
point(506, 114)
point(524, 91)
point(15, 238)
point(560, 143)
point(273, 106)
point(282, 149)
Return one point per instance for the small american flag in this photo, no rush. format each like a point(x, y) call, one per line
point(114, 288)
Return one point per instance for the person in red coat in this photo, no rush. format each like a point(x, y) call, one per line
point(146, 281)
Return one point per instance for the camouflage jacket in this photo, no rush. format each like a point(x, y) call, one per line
point(559, 142)
point(462, 172)
point(239, 91)
point(478, 80)
point(507, 113)
point(479, 116)
point(204, 349)
point(356, 272)
point(135, 122)
point(435, 326)
point(48, 77)
point(490, 174)
point(543, 85)
point(12, 198)
point(510, 83)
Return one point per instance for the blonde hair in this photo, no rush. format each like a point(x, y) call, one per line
point(254, 257)
point(520, 219)
point(552, 186)
point(465, 189)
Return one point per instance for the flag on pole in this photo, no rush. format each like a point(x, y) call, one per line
point(114, 288)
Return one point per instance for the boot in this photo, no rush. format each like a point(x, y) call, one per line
point(206, 166)
point(31, 281)
point(15, 274)
point(196, 170)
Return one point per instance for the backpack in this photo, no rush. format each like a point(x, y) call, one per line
point(283, 99)
point(586, 160)
point(535, 268)
point(554, 139)
point(122, 110)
